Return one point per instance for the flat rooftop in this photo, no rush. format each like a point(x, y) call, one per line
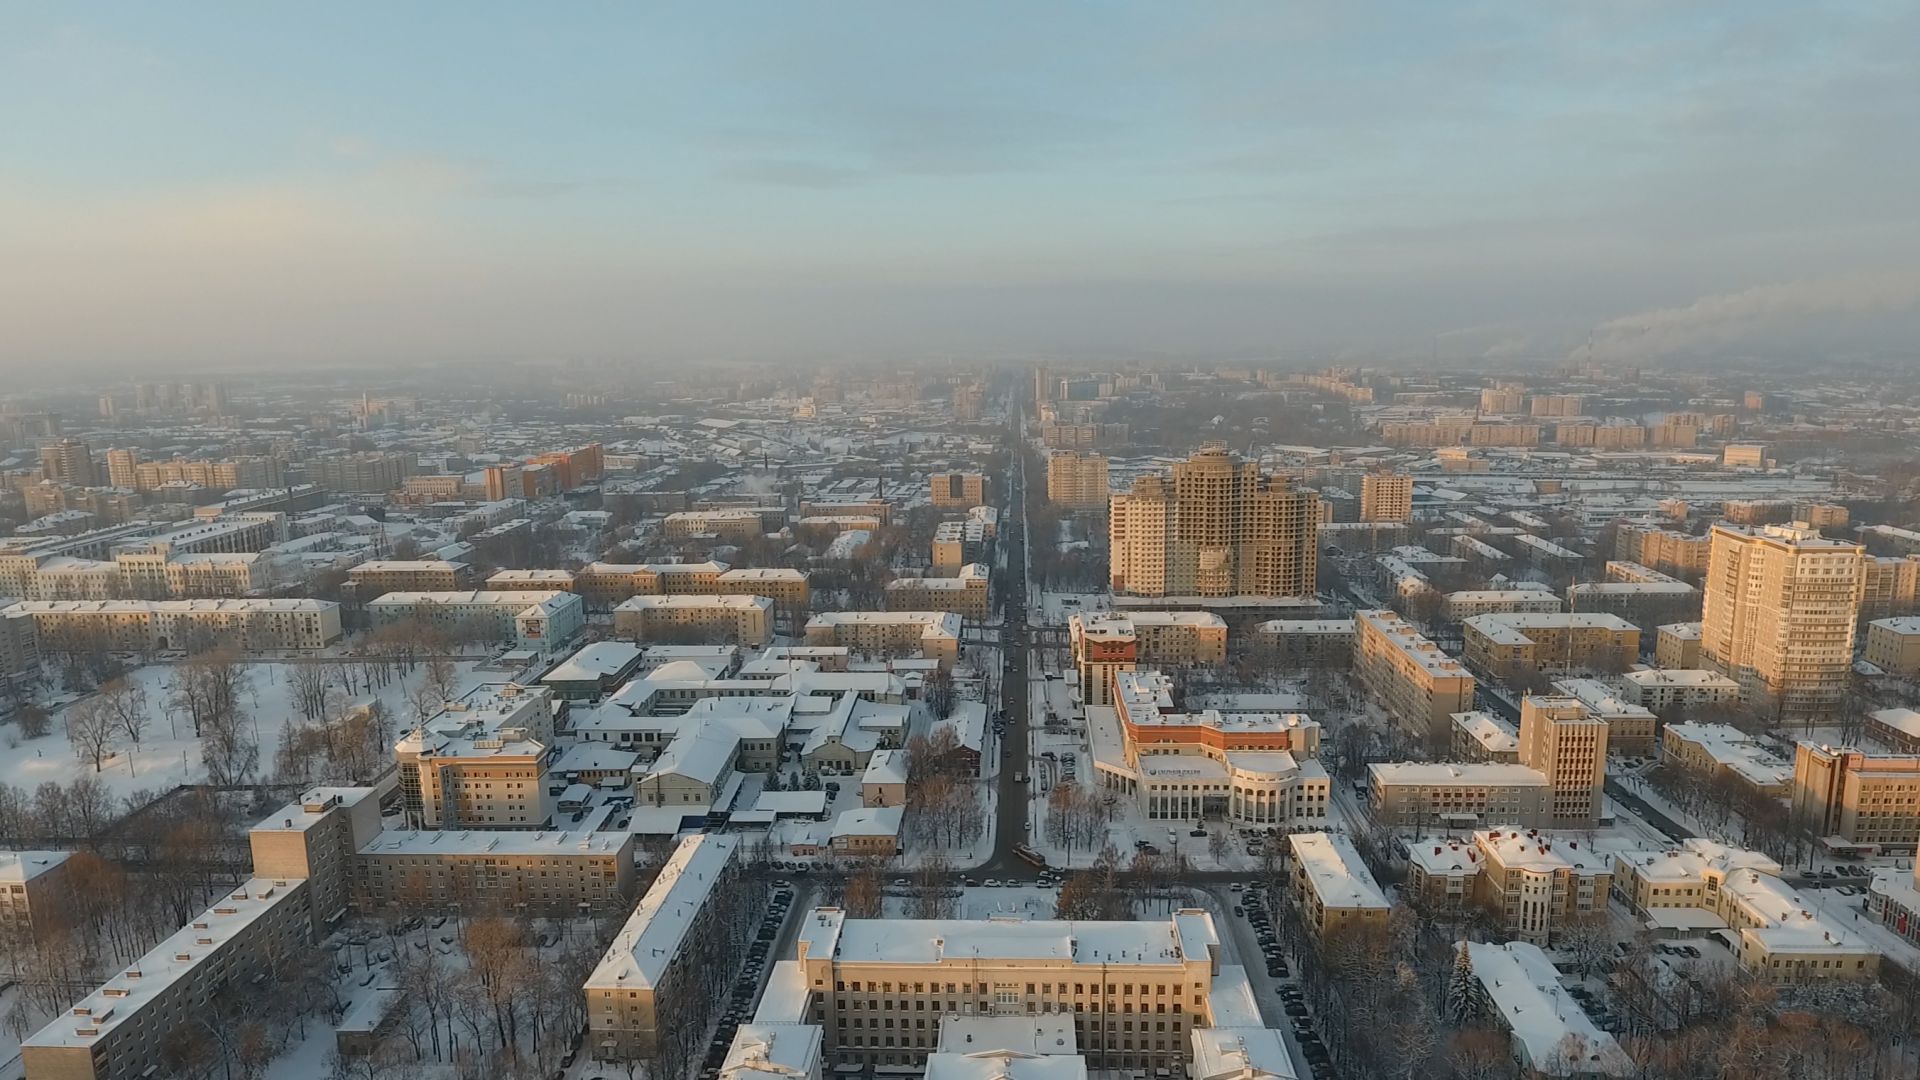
point(1334, 868)
point(659, 924)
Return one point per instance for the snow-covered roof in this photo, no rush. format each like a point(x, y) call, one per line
point(1005, 1065)
point(773, 1052)
point(1549, 1027)
point(20, 867)
point(658, 927)
point(701, 754)
point(791, 802)
point(869, 821)
point(886, 766)
point(1239, 1053)
point(496, 842)
point(1334, 870)
point(1039, 1033)
point(147, 979)
point(596, 661)
point(1188, 937)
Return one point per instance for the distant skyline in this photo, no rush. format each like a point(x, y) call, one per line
point(222, 186)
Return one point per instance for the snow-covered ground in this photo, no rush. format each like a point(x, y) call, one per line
point(169, 754)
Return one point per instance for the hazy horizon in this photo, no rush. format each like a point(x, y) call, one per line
point(208, 188)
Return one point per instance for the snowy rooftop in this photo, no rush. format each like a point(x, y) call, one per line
point(596, 660)
point(1334, 869)
point(1444, 858)
point(1734, 749)
point(1905, 721)
point(1416, 646)
point(1681, 631)
point(1005, 1065)
point(1489, 774)
point(1691, 861)
point(1904, 624)
point(145, 980)
point(20, 867)
point(129, 607)
point(1600, 699)
point(784, 1000)
point(1494, 734)
point(869, 821)
point(1188, 937)
point(1524, 989)
point(784, 1051)
point(311, 807)
point(1240, 1053)
point(937, 623)
point(1690, 678)
point(1042, 1033)
point(654, 932)
point(1540, 852)
point(497, 842)
point(1511, 627)
point(886, 767)
point(1306, 626)
point(702, 754)
point(1785, 922)
point(594, 757)
point(693, 602)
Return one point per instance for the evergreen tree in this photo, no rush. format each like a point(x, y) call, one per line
point(1463, 990)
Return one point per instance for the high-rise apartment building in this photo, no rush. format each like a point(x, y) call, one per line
point(68, 461)
point(1215, 527)
point(1505, 398)
point(1386, 497)
point(1780, 612)
point(122, 468)
point(1567, 744)
point(957, 489)
point(1077, 480)
point(369, 472)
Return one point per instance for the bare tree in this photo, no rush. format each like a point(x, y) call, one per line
point(442, 677)
point(307, 684)
point(126, 704)
point(91, 730)
point(933, 896)
point(32, 720)
point(863, 894)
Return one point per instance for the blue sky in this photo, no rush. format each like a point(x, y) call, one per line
point(243, 183)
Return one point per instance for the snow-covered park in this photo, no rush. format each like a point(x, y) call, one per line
point(168, 753)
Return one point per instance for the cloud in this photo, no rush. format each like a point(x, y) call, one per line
point(1725, 319)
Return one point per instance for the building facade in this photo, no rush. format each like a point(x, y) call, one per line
point(1779, 616)
point(1214, 527)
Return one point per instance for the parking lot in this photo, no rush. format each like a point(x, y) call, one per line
point(1271, 972)
point(747, 984)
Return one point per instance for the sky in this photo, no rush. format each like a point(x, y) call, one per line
point(267, 184)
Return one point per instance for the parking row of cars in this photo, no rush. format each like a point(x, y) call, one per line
point(740, 1004)
point(1253, 907)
